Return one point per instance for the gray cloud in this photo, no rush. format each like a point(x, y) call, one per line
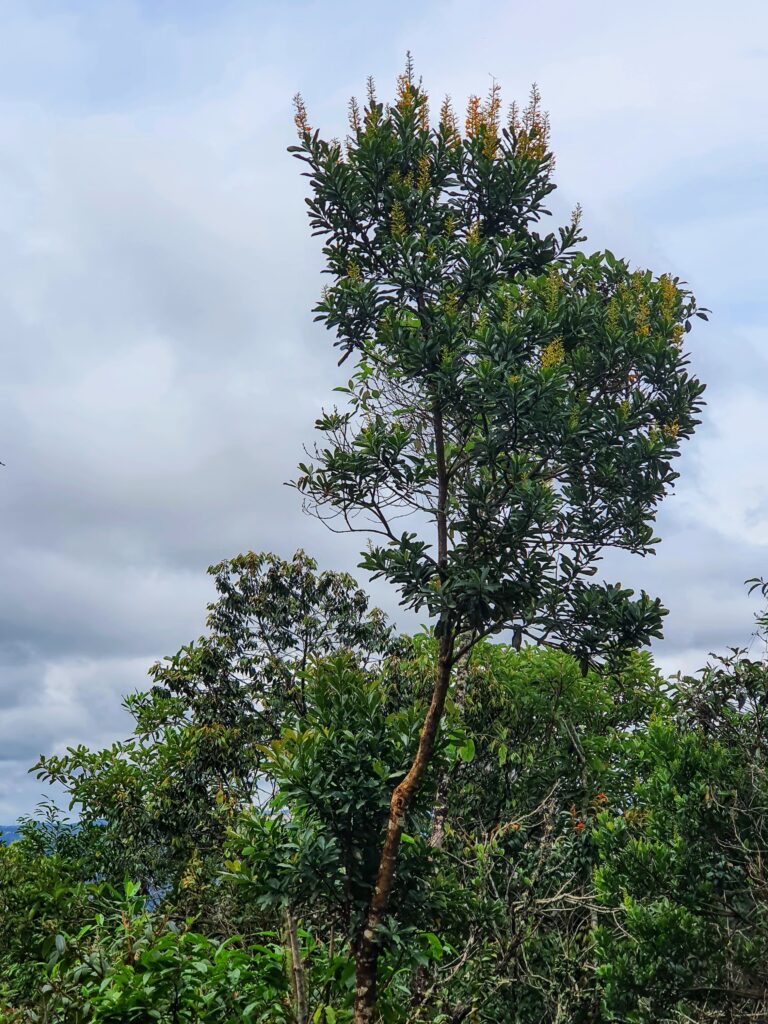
point(161, 368)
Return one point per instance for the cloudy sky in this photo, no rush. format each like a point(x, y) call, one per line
point(161, 369)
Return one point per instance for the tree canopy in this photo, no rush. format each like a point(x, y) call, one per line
point(601, 855)
point(515, 404)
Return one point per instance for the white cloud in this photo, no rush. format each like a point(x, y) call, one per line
point(162, 370)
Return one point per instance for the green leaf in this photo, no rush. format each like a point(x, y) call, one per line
point(467, 751)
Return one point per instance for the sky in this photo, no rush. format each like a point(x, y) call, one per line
point(161, 367)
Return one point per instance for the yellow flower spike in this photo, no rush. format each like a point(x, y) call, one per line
point(553, 354)
point(397, 220)
point(423, 180)
point(473, 235)
point(671, 430)
point(353, 272)
point(612, 316)
point(509, 312)
point(642, 318)
point(450, 225)
point(678, 333)
point(552, 289)
point(668, 293)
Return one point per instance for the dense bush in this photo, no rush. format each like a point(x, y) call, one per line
point(587, 847)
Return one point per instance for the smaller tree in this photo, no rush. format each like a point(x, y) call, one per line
point(167, 795)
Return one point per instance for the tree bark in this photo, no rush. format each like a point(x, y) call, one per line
point(440, 812)
point(298, 977)
point(368, 945)
point(402, 798)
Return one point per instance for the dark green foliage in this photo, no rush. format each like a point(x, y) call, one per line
point(170, 792)
point(602, 859)
point(532, 395)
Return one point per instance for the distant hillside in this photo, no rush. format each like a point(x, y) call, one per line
point(8, 833)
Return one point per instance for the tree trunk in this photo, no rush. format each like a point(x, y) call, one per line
point(367, 953)
point(440, 812)
point(298, 977)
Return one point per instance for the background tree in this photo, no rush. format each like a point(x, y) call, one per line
point(517, 402)
point(167, 796)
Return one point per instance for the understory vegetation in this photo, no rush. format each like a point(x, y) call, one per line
point(509, 818)
point(586, 846)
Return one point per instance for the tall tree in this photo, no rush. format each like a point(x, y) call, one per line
point(515, 405)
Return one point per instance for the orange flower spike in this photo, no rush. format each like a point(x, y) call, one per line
point(474, 117)
point(490, 116)
point(300, 115)
point(424, 112)
point(406, 93)
point(534, 128)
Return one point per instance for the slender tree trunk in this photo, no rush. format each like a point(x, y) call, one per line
point(367, 952)
point(402, 798)
point(298, 977)
point(440, 812)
